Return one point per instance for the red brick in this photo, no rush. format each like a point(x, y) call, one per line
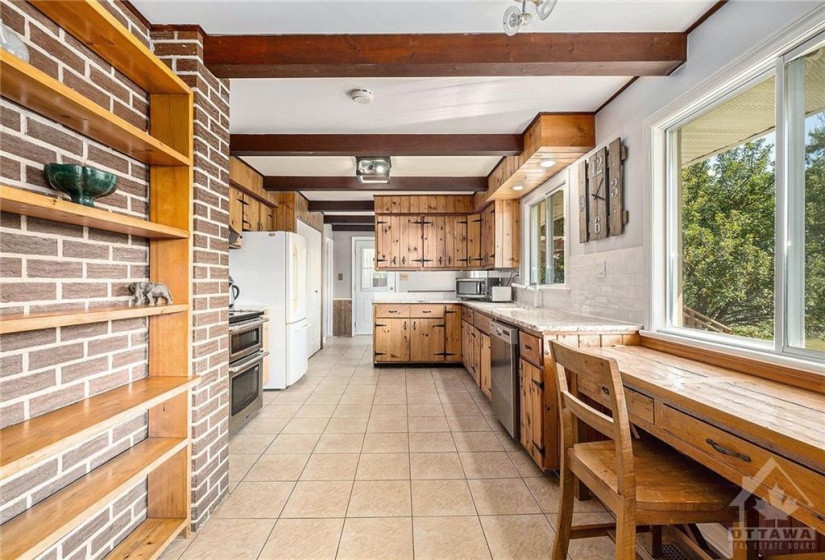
point(13, 243)
point(56, 399)
point(83, 369)
point(18, 292)
point(84, 250)
point(40, 359)
point(54, 269)
point(51, 134)
point(77, 290)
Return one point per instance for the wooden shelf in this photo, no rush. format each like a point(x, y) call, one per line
point(149, 539)
point(37, 321)
point(36, 529)
point(26, 85)
point(98, 29)
point(19, 201)
point(32, 441)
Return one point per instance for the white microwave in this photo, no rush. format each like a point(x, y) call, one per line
point(474, 288)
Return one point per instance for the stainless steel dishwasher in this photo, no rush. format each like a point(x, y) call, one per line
point(505, 378)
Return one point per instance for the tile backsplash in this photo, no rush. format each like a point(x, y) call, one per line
point(609, 285)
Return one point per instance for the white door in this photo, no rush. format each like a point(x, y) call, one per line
point(314, 281)
point(296, 273)
point(367, 282)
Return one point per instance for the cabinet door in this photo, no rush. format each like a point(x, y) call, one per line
point(391, 340)
point(270, 219)
point(410, 242)
point(474, 250)
point(459, 241)
point(236, 204)
point(383, 241)
point(467, 345)
point(453, 350)
point(477, 346)
point(427, 340)
point(507, 232)
point(485, 366)
point(533, 436)
point(434, 242)
point(488, 236)
point(251, 213)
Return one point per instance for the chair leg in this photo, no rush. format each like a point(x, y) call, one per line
point(564, 524)
point(656, 541)
point(626, 536)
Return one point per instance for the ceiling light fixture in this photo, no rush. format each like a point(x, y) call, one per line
point(362, 96)
point(518, 187)
point(373, 169)
point(547, 163)
point(515, 19)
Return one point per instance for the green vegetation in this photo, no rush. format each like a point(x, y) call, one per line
point(728, 222)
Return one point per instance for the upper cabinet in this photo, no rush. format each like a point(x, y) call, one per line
point(441, 233)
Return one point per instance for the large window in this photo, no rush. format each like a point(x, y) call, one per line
point(547, 240)
point(746, 203)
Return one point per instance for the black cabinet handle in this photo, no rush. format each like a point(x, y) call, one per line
point(538, 384)
point(724, 451)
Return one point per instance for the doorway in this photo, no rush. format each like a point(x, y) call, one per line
point(328, 274)
point(314, 280)
point(366, 283)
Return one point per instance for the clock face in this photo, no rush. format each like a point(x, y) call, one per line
point(597, 188)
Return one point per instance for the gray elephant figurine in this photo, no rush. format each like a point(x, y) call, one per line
point(149, 292)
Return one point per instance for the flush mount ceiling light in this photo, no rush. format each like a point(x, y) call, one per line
point(547, 163)
point(373, 169)
point(361, 96)
point(518, 187)
point(515, 19)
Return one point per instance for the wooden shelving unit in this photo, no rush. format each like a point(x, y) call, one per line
point(36, 205)
point(163, 460)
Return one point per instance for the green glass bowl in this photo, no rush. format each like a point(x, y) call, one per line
point(82, 183)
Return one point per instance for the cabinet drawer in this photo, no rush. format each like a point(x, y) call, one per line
point(482, 323)
point(740, 459)
point(466, 314)
point(530, 348)
point(427, 311)
point(639, 406)
point(392, 310)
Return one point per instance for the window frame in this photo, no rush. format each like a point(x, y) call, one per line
point(543, 193)
point(794, 41)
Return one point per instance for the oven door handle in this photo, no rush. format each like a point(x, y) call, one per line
point(256, 357)
point(246, 326)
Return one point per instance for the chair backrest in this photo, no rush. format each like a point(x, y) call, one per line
point(576, 369)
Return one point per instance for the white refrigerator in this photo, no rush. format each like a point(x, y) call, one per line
point(270, 270)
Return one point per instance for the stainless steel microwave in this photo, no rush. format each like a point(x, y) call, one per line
point(475, 288)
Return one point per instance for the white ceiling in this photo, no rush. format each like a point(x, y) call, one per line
point(402, 166)
point(427, 16)
point(471, 105)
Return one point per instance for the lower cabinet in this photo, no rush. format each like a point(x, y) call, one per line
point(467, 346)
point(485, 365)
point(391, 340)
point(533, 414)
point(416, 333)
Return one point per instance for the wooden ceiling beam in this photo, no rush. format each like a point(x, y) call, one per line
point(341, 205)
point(375, 144)
point(396, 184)
point(432, 55)
point(351, 220)
point(354, 227)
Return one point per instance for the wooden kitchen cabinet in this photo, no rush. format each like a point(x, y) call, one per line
point(410, 241)
point(467, 346)
point(236, 206)
point(435, 243)
point(475, 258)
point(391, 340)
point(417, 333)
point(427, 340)
point(532, 415)
point(485, 365)
point(488, 236)
point(455, 241)
point(251, 213)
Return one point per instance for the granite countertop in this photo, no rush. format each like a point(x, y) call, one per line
point(545, 321)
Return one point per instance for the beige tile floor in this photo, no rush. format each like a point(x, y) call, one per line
point(368, 463)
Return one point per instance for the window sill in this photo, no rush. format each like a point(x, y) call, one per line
point(812, 366)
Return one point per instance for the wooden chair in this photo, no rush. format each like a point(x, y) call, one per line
point(644, 483)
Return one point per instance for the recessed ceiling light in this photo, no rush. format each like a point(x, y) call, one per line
point(547, 163)
point(518, 187)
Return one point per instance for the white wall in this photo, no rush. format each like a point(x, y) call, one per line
point(342, 262)
point(620, 293)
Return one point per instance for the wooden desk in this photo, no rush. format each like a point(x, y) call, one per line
point(756, 433)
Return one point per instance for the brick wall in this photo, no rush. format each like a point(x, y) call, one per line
point(48, 266)
point(182, 49)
